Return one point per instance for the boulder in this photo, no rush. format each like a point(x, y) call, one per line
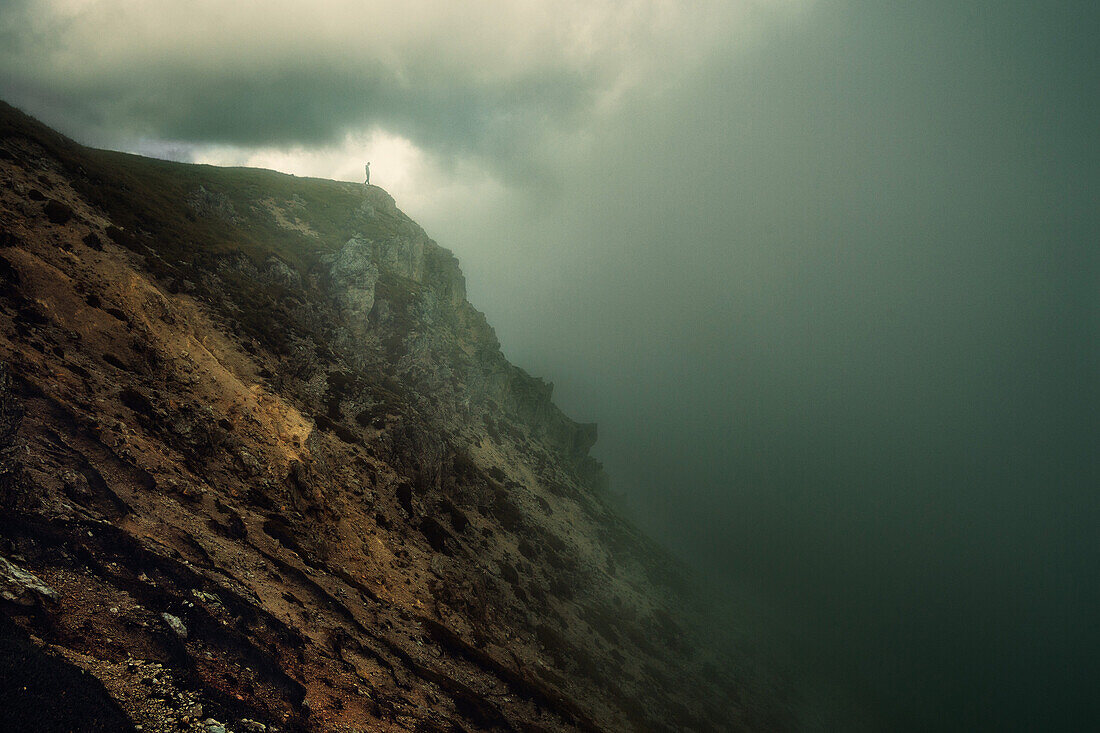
point(23, 588)
point(175, 624)
point(57, 212)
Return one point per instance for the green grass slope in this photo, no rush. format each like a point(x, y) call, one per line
point(147, 198)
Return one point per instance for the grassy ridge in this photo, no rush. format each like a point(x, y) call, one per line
point(148, 198)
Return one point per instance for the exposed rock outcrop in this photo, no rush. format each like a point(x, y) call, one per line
point(212, 204)
point(23, 588)
point(354, 275)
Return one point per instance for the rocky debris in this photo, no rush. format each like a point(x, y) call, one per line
point(23, 588)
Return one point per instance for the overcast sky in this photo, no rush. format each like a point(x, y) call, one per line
point(824, 271)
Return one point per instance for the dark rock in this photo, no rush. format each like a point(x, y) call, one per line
point(277, 528)
point(57, 212)
point(9, 239)
point(508, 572)
point(436, 534)
point(404, 497)
point(33, 683)
point(136, 401)
point(8, 274)
point(122, 238)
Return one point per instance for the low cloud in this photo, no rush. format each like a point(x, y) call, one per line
point(419, 180)
point(486, 79)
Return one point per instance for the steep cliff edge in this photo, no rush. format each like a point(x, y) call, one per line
point(264, 467)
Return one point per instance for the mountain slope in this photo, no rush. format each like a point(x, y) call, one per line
point(264, 464)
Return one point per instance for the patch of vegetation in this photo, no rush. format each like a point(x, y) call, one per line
point(147, 198)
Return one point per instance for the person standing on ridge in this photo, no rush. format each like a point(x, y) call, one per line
point(367, 182)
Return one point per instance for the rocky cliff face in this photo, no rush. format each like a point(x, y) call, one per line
point(450, 352)
point(263, 467)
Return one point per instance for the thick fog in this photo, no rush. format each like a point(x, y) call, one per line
point(826, 274)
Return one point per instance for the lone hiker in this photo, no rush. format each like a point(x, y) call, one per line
point(367, 182)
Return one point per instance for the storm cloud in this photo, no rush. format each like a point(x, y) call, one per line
point(489, 78)
point(825, 273)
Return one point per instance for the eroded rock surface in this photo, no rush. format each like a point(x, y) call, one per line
point(280, 477)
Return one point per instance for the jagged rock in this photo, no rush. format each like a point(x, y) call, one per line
point(354, 276)
point(212, 205)
point(23, 588)
point(175, 624)
point(282, 273)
